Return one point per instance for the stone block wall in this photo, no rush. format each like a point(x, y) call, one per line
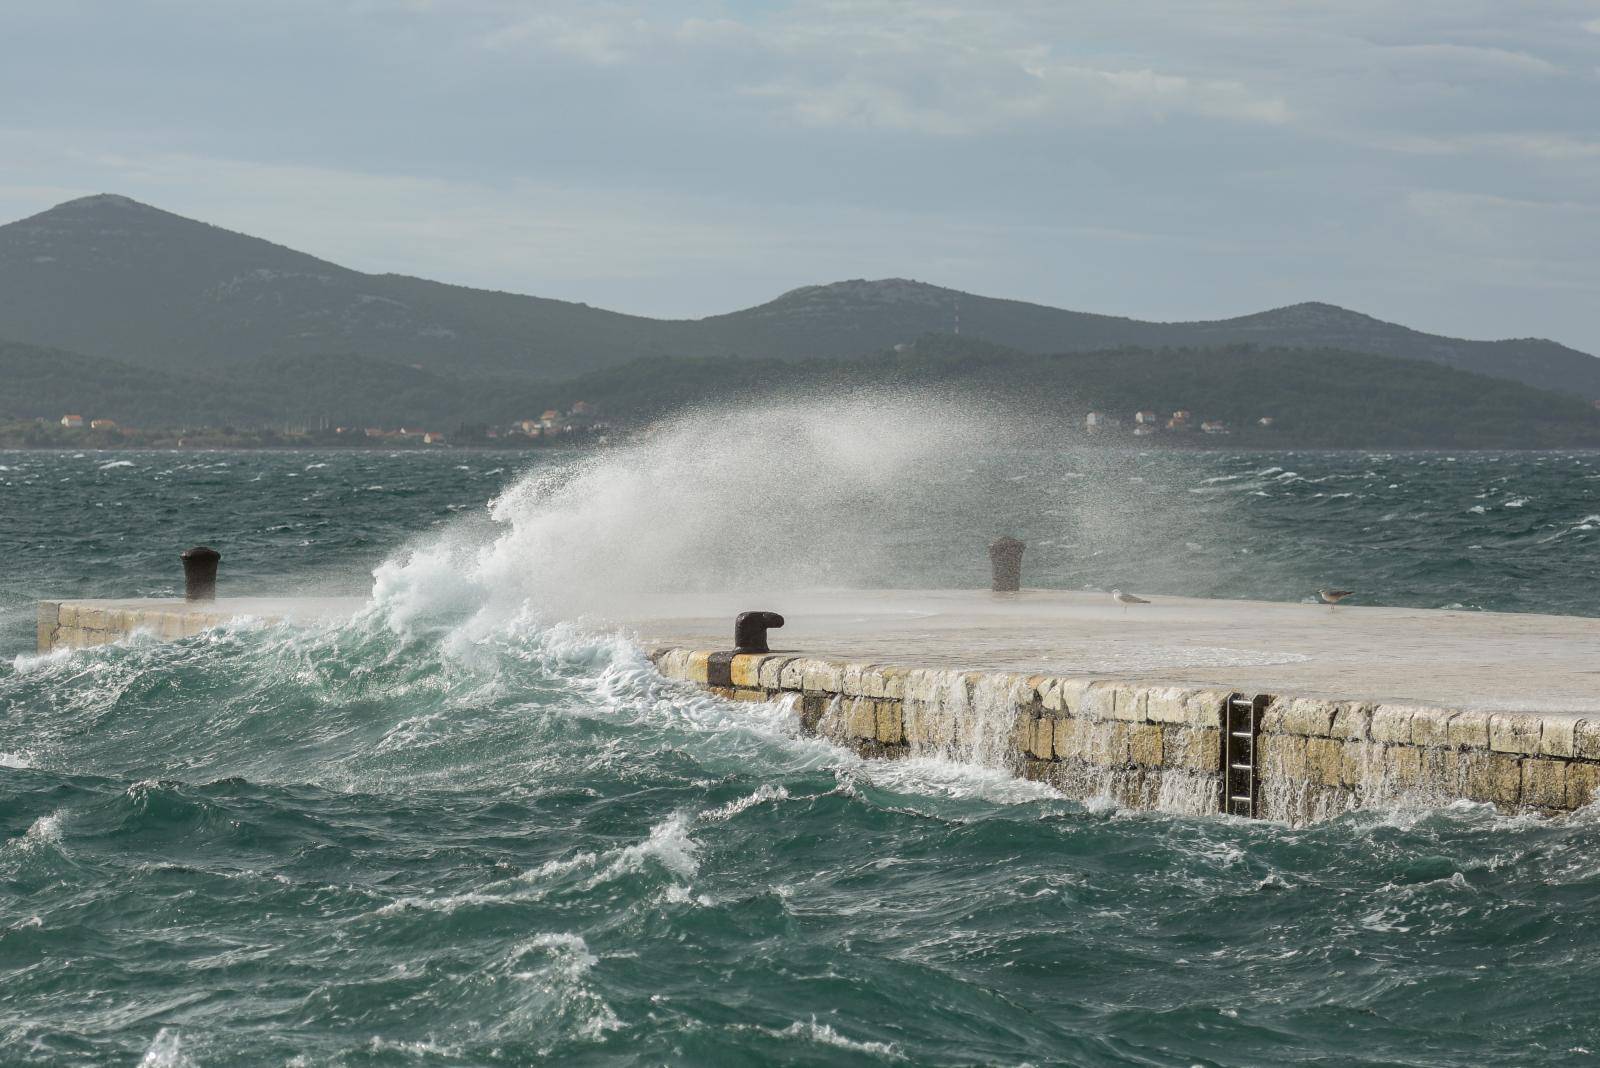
point(75, 625)
point(1157, 747)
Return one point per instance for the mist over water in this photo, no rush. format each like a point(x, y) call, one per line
point(464, 829)
point(779, 496)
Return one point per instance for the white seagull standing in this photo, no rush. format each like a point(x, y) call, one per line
point(1125, 599)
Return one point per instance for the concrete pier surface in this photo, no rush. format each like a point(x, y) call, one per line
point(1279, 710)
point(1480, 660)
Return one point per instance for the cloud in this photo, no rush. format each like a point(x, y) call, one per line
point(1472, 58)
point(1532, 145)
point(949, 69)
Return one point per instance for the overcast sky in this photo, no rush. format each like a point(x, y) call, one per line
point(1435, 162)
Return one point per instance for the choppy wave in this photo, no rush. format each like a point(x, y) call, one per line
point(468, 828)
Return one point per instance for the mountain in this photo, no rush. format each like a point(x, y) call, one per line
point(48, 383)
point(110, 277)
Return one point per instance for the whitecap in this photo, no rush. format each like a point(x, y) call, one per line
point(767, 792)
point(166, 1051)
point(824, 1035)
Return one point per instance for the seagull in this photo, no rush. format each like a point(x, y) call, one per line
point(1331, 597)
point(1125, 599)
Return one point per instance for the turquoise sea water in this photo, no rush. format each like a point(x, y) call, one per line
point(468, 829)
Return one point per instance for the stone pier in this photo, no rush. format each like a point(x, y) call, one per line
point(1289, 712)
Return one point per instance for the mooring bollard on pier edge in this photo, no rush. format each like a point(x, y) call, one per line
point(200, 573)
point(750, 631)
point(1005, 557)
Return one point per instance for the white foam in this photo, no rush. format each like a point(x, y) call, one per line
point(824, 1035)
point(166, 1051)
point(767, 792)
point(669, 846)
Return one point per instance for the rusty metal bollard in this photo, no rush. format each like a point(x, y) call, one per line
point(750, 631)
point(1005, 557)
point(200, 573)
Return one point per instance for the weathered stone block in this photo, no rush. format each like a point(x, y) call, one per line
point(894, 683)
point(928, 726)
point(1325, 759)
point(67, 615)
point(919, 685)
point(1107, 743)
point(1076, 697)
point(1166, 704)
point(745, 694)
point(1282, 756)
point(1470, 730)
point(1069, 737)
point(1582, 782)
point(694, 668)
point(1192, 748)
point(745, 669)
point(1558, 736)
point(813, 708)
point(859, 717)
point(1392, 724)
point(1042, 738)
point(1352, 721)
point(1272, 716)
point(1544, 783)
point(822, 676)
point(1431, 726)
point(1205, 707)
point(1144, 745)
point(772, 671)
point(1494, 777)
point(1309, 716)
point(850, 680)
point(1128, 703)
point(792, 674)
point(872, 681)
point(49, 618)
point(891, 727)
point(1050, 695)
point(1402, 767)
point(1515, 732)
point(1586, 739)
point(1361, 764)
point(172, 628)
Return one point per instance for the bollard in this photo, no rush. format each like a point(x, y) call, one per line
point(200, 573)
point(750, 631)
point(1005, 557)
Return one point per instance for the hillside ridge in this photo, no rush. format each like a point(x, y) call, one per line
point(109, 276)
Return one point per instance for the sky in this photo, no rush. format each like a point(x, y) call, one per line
point(1433, 163)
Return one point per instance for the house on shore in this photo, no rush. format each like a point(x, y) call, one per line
point(72, 422)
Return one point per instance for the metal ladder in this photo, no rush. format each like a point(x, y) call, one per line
point(1241, 727)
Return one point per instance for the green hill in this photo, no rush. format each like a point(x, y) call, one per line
point(110, 277)
point(1315, 397)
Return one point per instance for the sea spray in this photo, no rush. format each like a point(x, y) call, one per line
point(779, 496)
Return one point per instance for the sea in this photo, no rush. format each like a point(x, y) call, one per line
point(472, 827)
